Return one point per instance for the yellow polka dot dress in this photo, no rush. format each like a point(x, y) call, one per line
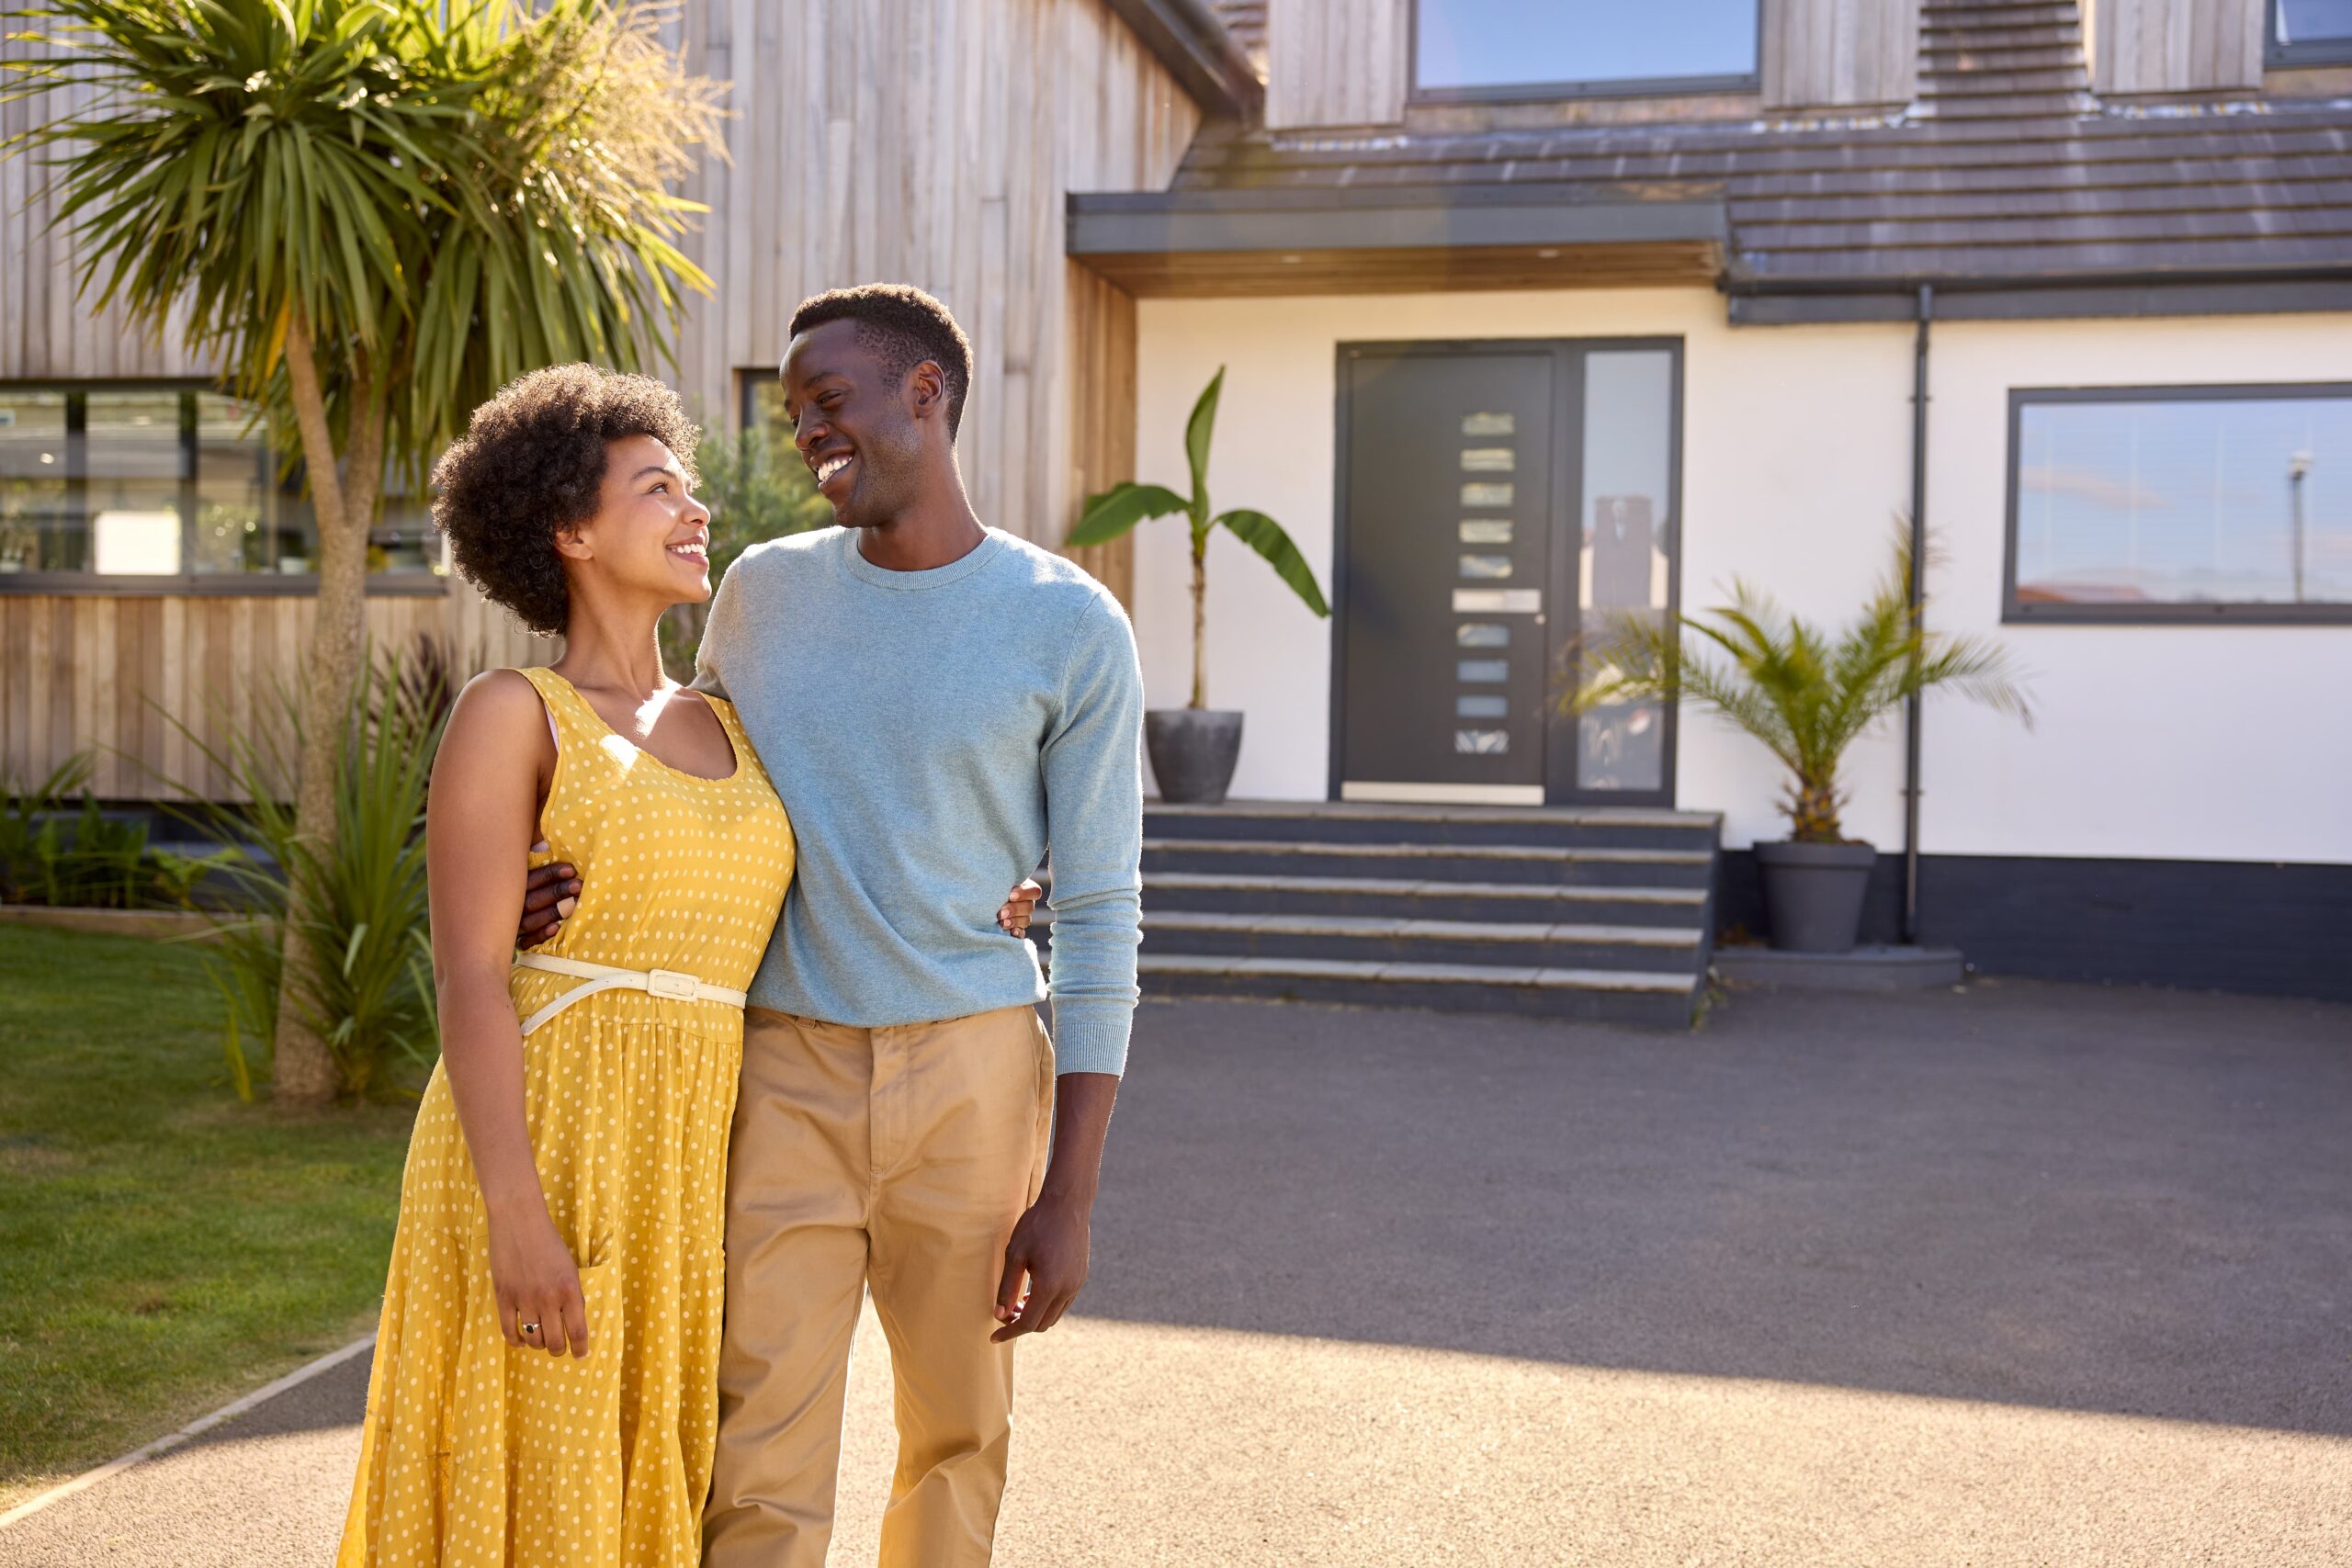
point(476, 1452)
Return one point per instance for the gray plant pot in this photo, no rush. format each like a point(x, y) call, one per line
point(1813, 894)
point(1192, 752)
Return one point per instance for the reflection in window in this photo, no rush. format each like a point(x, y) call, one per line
point(166, 481)
point(1488, 459)
point(2242, 500)
point(1490, 45)
point(1482, 742)
point(1623, 567)
point(1485, 530)
point(1475, 670)
point(1481, 708)
point(1487, 566)
point(1474, 494)
point(1490, 424)
point(2311, 29)
point(1481, 633)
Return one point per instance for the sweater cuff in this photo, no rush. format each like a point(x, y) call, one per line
point(1090, 1035)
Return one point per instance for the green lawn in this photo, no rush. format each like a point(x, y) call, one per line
point(162, 1246)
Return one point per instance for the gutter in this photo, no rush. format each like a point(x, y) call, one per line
point(1187, 37)
point(1755, 301)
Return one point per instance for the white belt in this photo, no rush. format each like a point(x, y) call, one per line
point(667, 983)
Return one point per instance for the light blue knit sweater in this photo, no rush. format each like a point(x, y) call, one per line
point(933, 734)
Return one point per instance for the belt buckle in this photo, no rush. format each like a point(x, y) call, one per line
point(670, 983)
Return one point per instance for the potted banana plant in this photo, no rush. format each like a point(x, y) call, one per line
point(1807, 696)
point(1193, 749)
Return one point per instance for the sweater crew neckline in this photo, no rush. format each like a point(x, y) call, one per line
point(852, 560)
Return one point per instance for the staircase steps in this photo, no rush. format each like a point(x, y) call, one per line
point(1602, 914)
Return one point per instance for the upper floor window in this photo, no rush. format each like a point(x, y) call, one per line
point(1508, 48)
point(2310, 32)
point(2181, 503)
point(167, 489)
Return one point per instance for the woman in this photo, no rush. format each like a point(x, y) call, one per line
point(544, 1387)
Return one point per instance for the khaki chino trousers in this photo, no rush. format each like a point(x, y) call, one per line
point(895, 1159)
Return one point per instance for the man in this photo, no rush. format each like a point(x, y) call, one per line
point(896, 1090)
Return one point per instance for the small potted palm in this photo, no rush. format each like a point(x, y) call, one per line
point(1193, 749)
point(1807, 696)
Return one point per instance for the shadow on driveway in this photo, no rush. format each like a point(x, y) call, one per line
point(2107, 1199)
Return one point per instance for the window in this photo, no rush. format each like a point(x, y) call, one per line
point(2310, 32)
point(2181, 503)
point(159, 487)
point(1507, 49)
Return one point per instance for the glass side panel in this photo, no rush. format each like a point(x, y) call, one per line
point(1627, 551)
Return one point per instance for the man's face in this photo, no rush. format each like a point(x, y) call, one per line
point(853, 423)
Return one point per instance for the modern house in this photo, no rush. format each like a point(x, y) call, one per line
point(1532, 314)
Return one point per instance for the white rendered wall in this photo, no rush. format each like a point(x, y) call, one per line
point(2191, 742)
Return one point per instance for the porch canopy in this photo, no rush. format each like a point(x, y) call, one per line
point(1344, 240)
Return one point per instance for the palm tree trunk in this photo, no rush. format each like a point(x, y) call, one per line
point(345, 502)
point(1200, 626)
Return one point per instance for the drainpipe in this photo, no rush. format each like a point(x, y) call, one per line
point(1918, 599)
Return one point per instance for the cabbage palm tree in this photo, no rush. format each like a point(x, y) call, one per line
point(372, 213)
point(1807, 696)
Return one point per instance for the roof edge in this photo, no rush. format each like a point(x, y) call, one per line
point(1178, 223)
point(2048, 297)
point(1187, 37)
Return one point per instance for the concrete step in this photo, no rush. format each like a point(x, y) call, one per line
point(1518, 862)
point(1418, 898)
point(1365, 822)
point(1651, 999)
point(1381, 939)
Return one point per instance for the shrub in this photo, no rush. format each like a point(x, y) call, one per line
point(367, 932)
point(87, 860)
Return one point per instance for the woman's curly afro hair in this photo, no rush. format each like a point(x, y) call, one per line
point(532, 461)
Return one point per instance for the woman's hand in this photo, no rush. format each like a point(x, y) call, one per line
point(537, 1286)
point(1018, 904)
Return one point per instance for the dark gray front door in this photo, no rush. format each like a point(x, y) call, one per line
point(1496, 499)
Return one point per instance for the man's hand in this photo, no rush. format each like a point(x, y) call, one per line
point(549, 894)
point(1045, 1265)
point(1045, 1262)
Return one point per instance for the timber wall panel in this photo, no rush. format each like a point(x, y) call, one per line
point(1831, 53)
point(2174, 46)
point(1337, 62)
point(933, 143)
point(98, 673)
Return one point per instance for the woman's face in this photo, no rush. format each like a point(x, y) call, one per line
point(650, 535)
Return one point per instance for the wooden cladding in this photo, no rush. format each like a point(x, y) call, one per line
point(1337, 62)
point(2174, 46)
point(909, 141)
point(99, 674)
point(1834, 53)
point(1101, 416)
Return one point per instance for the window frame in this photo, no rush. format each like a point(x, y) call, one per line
point(2240, 613)
point(186, 584)
point(1539, 92)
point(2276, 55)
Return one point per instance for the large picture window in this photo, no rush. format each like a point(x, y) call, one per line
point(2181, 503)
point(165, 488)
point(2310, 32)
point(1507, 49)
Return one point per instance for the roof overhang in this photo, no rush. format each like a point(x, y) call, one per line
point(2018, 298)
point(1369, 240)
point(1186, 36)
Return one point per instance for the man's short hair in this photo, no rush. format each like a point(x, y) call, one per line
point(903, 326)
